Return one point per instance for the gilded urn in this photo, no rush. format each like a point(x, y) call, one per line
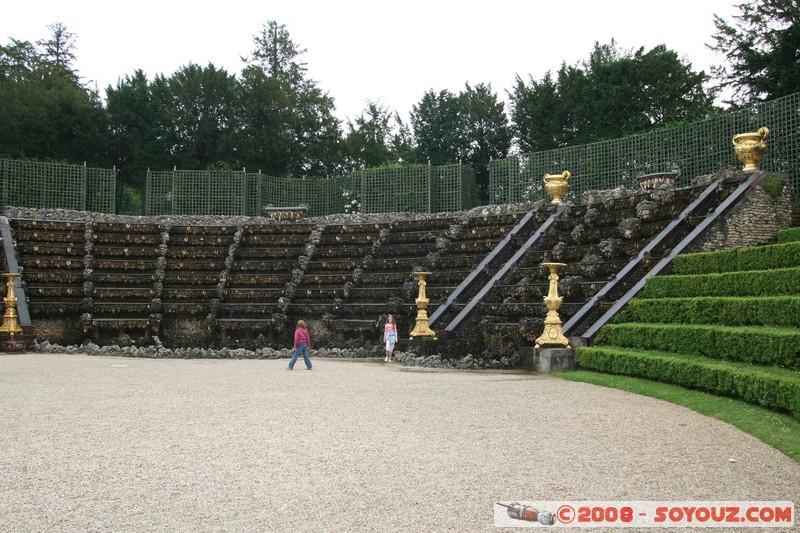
point(749, 148)
point(556, 185)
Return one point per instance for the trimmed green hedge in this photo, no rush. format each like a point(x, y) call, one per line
point(774, 388)
point(780, 311)
point(750, 283)
point(768, 257)
point(771, 346)
point(789, 235)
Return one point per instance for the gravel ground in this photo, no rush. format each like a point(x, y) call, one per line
point(91, 443)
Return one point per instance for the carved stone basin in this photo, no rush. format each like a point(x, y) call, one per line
point(649, 182)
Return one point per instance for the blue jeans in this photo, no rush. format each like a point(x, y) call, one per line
point(301, 348)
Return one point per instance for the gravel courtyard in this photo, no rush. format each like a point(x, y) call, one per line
point(115, 444)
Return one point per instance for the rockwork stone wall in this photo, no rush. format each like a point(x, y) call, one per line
point(754, 221)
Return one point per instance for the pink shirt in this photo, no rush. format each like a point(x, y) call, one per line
point(301, 336)
point(389, 328)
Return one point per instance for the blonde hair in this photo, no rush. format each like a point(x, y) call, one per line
point(301, 324)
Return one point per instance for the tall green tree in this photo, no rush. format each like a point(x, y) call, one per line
point(612, 94)
point(44, 110)
point(368, 142)
point(470, 127)
point(303, 124)
point(58, 51)
point(537, 116)
point(762, 48)
point(436, 122)
point(137, 132)
point(484, 131)
point(265, 137)
point(401, 141)
point(199, 106)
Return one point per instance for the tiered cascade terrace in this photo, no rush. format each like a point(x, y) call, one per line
point(246, 283)
point(595, 240)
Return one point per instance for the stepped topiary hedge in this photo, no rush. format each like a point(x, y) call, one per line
point(780, 311)
point(724, 322)
point(764, 345)
point(774, 388)
point(768, 257)
point(752, 283)
point(789, 235)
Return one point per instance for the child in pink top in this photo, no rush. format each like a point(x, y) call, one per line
point(389, 337)
point(302, 342)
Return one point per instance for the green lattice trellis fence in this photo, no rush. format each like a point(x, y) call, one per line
point(693, 150)
point(322, 196)
point(393, 189)
point(56, 185)
point(453, 188)
point(196, 192)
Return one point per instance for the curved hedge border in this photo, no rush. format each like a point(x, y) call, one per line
point(776, 389)
point(789, 235)
point(751, 283)
point(779, 311)
point(769, 346)
point(768, 257)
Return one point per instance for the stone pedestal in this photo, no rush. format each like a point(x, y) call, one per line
point(15, 343)
point(547, 359)
point(420, 345)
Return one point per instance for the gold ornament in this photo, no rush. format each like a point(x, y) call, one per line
point(553, 334)
point(556, 185)
point(10, 319)
point(422, 329)
point(750, 147)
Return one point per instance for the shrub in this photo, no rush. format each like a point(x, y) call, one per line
point(776, 389)
point(789, 235)
point(768, 257)
point(750, 283)
point(781, 311)
point(771, 346)
point(773, 185)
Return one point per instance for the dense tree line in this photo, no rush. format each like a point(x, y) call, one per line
point(272, 117)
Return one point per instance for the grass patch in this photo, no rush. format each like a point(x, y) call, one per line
point(780, 431)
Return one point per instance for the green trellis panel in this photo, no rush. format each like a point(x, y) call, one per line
point(55, 185)
point(452, 188)
point(196, 192)
point(693, 150)
point(101, 189)
point(394, 189)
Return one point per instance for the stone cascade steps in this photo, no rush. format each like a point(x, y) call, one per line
point(202, 283)
point(257, 279)
point(327, 276)
point(386, 283)
point(122, 285)
point(195, 258)
point(51, 259)
point(595, 241)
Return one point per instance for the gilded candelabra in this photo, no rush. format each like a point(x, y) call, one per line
point(422, 329)
point(553, 334)
point(750, 147)
point(10, 319)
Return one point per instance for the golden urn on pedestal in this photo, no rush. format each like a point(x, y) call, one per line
point(553, 334)
point(556, 185)
point(750, 147)
point(422, 328)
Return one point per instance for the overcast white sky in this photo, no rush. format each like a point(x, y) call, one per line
point(391, 52)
